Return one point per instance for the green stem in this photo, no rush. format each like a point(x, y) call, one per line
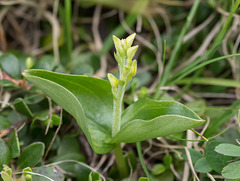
point(117, 108)
point(68, 34)
point(142, 161)
point(117, 112)
point(121, 164)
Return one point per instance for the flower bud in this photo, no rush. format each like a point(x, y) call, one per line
point(129, 40)
point(29, 63)
point(28, 177)
point(117, 58)
point(133, 70)
point(7, 170)
point(126, 72)
point(113, 80)
point(124, 45)
point(118, 45)
point(131, 52)
point(27, 172)
point(116, 41)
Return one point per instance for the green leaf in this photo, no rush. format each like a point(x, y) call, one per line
point(22, 108)
point(131, 160)
point(13, 144)
point(4, 154)
point(33, 98)
point(228, 149)
point(5, 176)
point(239, 121)
point(31, 155)
point(54, 121)
point(4, 123)
point(143, 179)
point(202, 166)
point(148, 119)
point(195, 155)
point(128, 179)
point(93, 176)
point(167, 160)
point(88, 99)
point(82, 172)
point(46, 62)
point(50, 172)
point(69, 166)
point(166, 176)
point(214, 159)
point(10, 64)
point(232, 170)
point(211, 81)
point(158, 169)
point(6, 83)
point(68, 144)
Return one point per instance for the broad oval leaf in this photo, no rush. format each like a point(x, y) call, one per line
point(10, 64)
point(13, 144)
point(4, 123)
point(5, 176)
point(88, 99)
point(4, 154)
point(46, 173)
point(228, 149)
point(31, 155)
point(215, 160)
point(148, 119)
point(202, 166)
point(232, 170)
point(22, 108)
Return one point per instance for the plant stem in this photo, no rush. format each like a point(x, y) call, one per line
point(142, 161)
point(121, 164)
point(117, 108)
point(68, 34)
point(117, 112)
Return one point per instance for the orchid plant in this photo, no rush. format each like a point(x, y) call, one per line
point(97, 106)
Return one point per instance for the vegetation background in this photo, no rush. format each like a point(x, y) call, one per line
point(188, 52)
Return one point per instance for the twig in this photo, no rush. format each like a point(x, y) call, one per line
point(139, 24)
point(55, 135)
point(186, 165)
point(101, 162)
point(55, 7)
point(175, 3)
point(74, 161)
point(55, 33)
point(2, 34)
point(25, 2)
point(109, 164)
point(190, 163)
point(6, 98)
point(138, 37)
point(98, 42)
point(159, 50)
point(197, 29)
point(19, 33)
point(225, 13)
point(175, 172)
point(211, 177)
point(202, 49)
point(50, 114)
